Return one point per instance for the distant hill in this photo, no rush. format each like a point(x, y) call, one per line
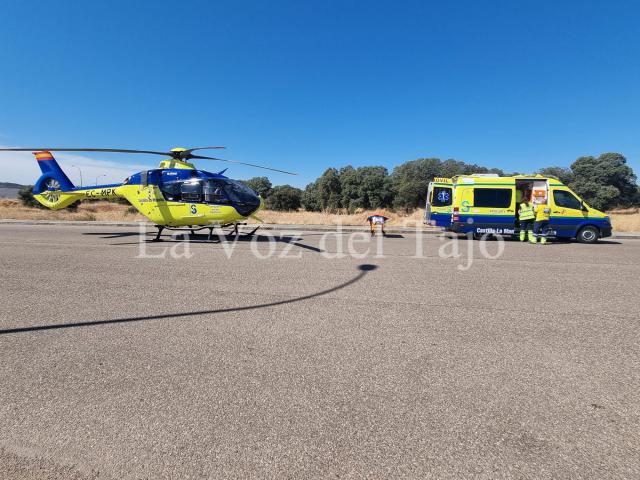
point(10, 190)
point(11, 185)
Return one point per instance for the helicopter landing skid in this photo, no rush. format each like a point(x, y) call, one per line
point(160, 229)
point(237, 232)
point(192, 230)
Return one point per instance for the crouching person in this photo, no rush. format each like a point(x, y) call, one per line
point(375, 220)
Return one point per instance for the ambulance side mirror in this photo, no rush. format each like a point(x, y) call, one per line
point(583, 207)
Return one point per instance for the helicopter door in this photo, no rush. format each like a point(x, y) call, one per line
point(148, 195)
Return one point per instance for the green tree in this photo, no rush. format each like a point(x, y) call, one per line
point(284, 198)
point(565, 175)
point(329, 190)
point(605, 181)
point(375, 187)
point(25, 195)
point(261, 185)
point(411, 180)
point(350, 189)
point(450, 168)
point(311, 198)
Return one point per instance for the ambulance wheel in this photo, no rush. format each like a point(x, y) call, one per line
point(588, 235)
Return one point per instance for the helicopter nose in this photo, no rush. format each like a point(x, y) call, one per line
point(255, 206)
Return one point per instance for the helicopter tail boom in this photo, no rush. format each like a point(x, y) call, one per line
point(54, 190)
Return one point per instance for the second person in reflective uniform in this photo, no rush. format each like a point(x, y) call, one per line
point(526, 216)
point(543, 214)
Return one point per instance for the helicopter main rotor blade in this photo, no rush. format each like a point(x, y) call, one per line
point(108, 150)
point(200, 157)
point(177, 154)
point(185, 152)
point(205, 148)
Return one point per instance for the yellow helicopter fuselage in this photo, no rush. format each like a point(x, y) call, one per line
point(212, 199)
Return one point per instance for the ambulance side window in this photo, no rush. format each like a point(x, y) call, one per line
point(565, 199)
point(492, 197)
point(441, 197)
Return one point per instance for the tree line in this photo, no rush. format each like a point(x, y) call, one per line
point(604, 182)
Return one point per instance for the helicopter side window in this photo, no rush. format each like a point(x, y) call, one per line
point(171, 191)
point(191, 191)
point(214, 192)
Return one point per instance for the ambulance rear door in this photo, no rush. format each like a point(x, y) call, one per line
point(439, 205)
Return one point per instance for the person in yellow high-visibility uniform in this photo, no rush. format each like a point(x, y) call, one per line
point(543, 215)
point(526, 216)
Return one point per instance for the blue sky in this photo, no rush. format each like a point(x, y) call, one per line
point(304, 85)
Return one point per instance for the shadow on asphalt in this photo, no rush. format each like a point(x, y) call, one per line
point(363, 270)
point(555, 242)
point(608, 242)
point(112, 234)
point(216, 239)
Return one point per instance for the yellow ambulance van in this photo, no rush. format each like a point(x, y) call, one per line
point(487, 204)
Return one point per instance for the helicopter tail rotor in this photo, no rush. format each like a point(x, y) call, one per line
point(50, 188)
point(51, 170)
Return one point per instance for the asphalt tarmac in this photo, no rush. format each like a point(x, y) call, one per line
point(307, 357)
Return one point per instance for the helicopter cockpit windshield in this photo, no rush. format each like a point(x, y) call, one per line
point(238, 192)
point(230, 192)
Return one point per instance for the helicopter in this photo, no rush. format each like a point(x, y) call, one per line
point(175, 196)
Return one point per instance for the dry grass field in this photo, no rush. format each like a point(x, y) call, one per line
point(623, 220)
point(360, 218)
point(92, 211)
point(626, 220)
point(100, 211)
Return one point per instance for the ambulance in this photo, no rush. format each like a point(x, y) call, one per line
point(486, 204)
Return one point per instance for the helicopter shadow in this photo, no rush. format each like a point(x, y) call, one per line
point(363, 270)
point(293, 240)
point(112, 234)
point(215, 240)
